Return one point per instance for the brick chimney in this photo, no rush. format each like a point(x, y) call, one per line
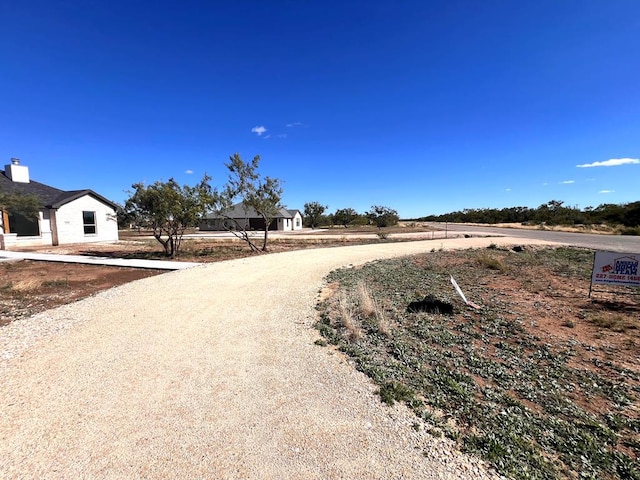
point(16, 172)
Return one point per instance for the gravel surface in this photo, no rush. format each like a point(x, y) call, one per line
point(210, 372)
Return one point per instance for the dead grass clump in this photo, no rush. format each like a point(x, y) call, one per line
point(26, 285)
point(491, 262)
point(56, 283)
point(366, 301)
point(382, 323)
point(615, 323)
point(345, 309)
point(370, 309)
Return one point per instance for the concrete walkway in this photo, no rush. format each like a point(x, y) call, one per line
point(114, 262)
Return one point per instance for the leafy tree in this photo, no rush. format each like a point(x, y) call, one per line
point(632, 218)
point(27, 206)
point(124, 218)
point(344, 216)
point(261, 194)
point(313, 212)
point(609, 213)
point(326, 220)
point(382, 216)
point(168, 209)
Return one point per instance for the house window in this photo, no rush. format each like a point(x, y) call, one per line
point(297, 222)
point(89, 222)
point(23, 226)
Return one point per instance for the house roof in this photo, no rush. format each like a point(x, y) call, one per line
point(239, 210)
point(49, 197)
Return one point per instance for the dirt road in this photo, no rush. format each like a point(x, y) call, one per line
point(210, 372)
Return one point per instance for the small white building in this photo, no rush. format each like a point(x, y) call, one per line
point(74, 216)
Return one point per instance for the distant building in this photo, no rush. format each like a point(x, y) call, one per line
point(245, 217)
point(73, 216)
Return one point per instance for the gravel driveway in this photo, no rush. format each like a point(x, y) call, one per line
point(210, 372)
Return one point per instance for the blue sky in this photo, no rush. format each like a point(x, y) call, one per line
point(422, 106)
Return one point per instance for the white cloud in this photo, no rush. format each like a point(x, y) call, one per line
point(259, 130)
point(606, 191)
point(613, 162)
point(279, 135)
point(294, 124)
point(545, 184)
point(507, 189)
point(188, 172)
point(567, 182)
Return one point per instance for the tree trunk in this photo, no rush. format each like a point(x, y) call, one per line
point(266, 235)
point(164, 243)
point(241, 232)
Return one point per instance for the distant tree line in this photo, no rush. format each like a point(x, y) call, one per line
point(554, 212)
point(378, 215)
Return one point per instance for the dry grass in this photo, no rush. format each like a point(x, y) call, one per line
point(491, 262)
point(32, 285)
point(602, 229)
point(365, 300)
point(382, 322)
point(345, 309)
point(369, 308)
point(615, 323)
point(26, 285)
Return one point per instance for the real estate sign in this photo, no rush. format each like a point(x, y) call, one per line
point(613, 268)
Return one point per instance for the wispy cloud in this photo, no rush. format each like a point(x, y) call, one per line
point(279, 135)
point(188, 172)
point(567, 182)
point(606, 191)
point(259, 130)
point(294, 124)
point(507, 189)
point(613, 162)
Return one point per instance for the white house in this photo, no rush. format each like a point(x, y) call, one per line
point(74, 216)
point(241, 216)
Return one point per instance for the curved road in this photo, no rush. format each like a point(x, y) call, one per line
point(612, 243)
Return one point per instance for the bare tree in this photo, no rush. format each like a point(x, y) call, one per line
point(256, 193)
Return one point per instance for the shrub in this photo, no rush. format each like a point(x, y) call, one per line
point(630, 231)
point(490, 262)
point(392, 392)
